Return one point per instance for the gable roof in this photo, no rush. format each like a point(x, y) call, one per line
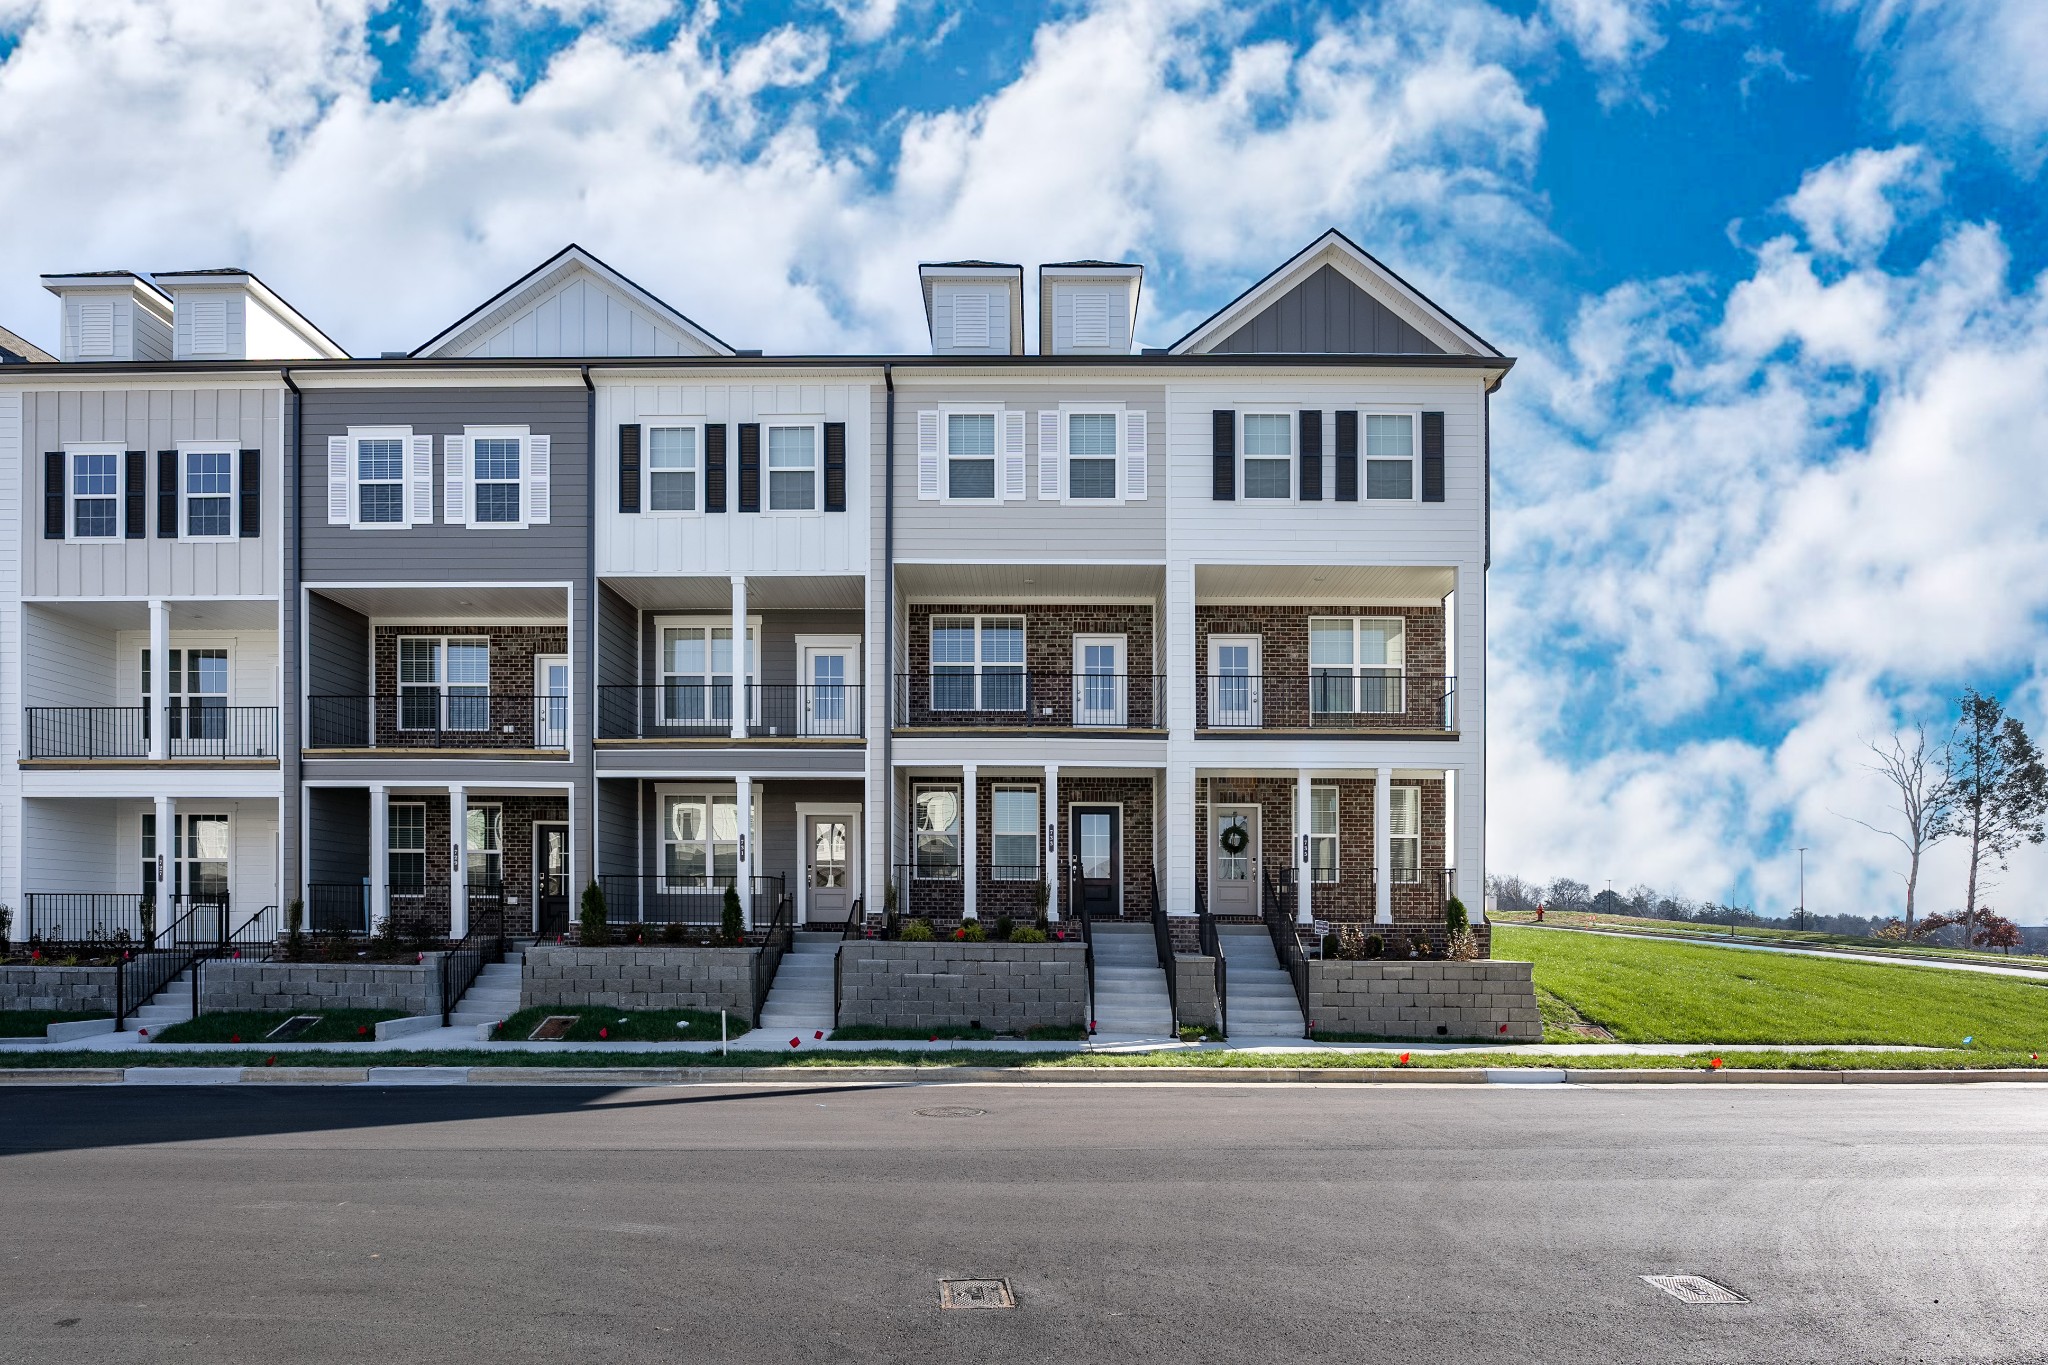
point(326, 345)
point(1347, 264)
point(16, 350)
point(586, 293)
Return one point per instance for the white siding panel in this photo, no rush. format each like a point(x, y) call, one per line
point(74, 844)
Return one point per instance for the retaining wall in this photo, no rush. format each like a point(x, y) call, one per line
point(1490, 1001)
point(1008, 987)
point(69, 989)
point(231, 984)
point(640, 978)
point(1194, 990)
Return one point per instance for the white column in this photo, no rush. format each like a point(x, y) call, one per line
point(743, 789)
point(159, 716)
point(1464, 800)
point(1052, 842)
point(1178, 662)
point(166, 855)
point(970, 859)
point(380, 855)
point(739, 667)
point(1382, 829)
point(1303, 823)
point(458, 862)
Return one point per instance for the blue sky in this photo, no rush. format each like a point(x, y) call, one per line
point(1767, 473)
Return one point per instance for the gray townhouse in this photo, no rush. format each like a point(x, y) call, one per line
point(1179, 648)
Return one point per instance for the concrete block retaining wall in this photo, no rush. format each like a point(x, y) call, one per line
point(228, 984)
point(1470, 1000)
point(1009, 987)
point(71, 990)
point(1194, 990)
point(641, 977)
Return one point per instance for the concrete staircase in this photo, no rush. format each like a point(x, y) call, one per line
point(171, 1005)
point(1130, 987)
point(1262, 1002)
point(800, 998)
point(494, 996)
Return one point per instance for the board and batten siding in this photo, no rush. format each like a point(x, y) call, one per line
point(1031, 528)
point(151, 420)
point(732, 541)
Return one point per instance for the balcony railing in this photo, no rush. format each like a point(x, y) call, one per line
point(694, 900)
point(428, 718)
point(192, 730)
point(1022, 699)
point(1325, 700)
point(345, 907)
point(689, 710)
point(123, 919)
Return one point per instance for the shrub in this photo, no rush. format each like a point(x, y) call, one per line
point(732, 926)
point(6, 926)
point(295, 931)
point(1463, 947)
point(672, 933)
point(592, 927)
point(970, 931)
point(387, 943)
point(917, 931)
point(1374, 946)
point(1005, 926)
point(1456, 921)
point(1027, 934)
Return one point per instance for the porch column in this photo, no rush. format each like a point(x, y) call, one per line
point(1304, 824)
point(970, 859)
point(380, 856)
point(1052, 843)
point(458, 862)
point(1463, 841)
point(158, 718)
point(739, 662)
point(743, 786)
point(1382, 830)
point(166, 871)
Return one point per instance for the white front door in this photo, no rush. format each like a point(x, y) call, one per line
point(1235, 687)
point(831, 691)
point(550, 701)
point(1234, 860)
point(1101, 692)
point(830, 870)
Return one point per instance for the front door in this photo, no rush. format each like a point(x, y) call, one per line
point(829, 872)
point(1235, 687)
point(550, 701)
point(1098, 860)
point(1100, 694)
point(831, 699)
point(550, 879)
point(1234, 860)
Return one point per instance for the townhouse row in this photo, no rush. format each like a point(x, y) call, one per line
point(578, 593)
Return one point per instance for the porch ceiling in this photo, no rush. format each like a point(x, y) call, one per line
point(765, 592)
point(1392, 585)
point(1030, 582)
point(206, 614)
point(456, 602)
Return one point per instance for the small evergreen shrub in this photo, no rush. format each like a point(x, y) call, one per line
point(295, 931)
point(1456, 920)
point(1374, 946)
point(732, 926)
point(1027, 934)
point(917, 931)
point(591, 925)
point(1005, 927)
point(970, 931)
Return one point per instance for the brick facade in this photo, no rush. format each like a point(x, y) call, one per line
point(1049, 631)
point(519, 814)
point(512, 719)
point(1284, 701)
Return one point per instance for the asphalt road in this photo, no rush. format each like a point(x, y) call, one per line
point(1153, 1223)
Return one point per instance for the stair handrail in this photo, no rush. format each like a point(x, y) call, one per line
point(856, 928)
point(1287, 946)
point(779, 937)
point(145, 971)
point(465, 962)
point(1162, 944)
point(1211, 944)
point(1080, 912)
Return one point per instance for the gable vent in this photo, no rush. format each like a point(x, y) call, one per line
point(96, 327)
point(1091, 319)
point(209, 326)
point(970, 319)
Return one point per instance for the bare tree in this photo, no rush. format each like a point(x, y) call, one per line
point(1995, 789)
point(1920, 800)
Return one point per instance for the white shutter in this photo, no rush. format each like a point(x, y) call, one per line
point(1013, 455)
point(538, 493)
point(420, 487)
point(1135, 473)
point(1048, 453)
point(454, 480)
point(928, 454)
point(339, 494)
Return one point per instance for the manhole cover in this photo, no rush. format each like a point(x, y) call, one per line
point(1693, 1289)
point(976, 1293)
point(953, 1111)
point(291, 1028)
point(553, 1029)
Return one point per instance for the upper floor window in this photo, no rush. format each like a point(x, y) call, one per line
point(1268, 455)
point(444, 684)
point(380, 480)
point(793, 468)
point(1390, 455)
point(699, 681)
point(95, 494)
point(1091, 455)
point(971, 455)
point(496, 461)
point(977, 663)
point(494, 477)
point(1355, 665)
point(671, 469)
point(209, 492)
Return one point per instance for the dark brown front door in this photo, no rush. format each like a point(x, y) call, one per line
point(1098, 860)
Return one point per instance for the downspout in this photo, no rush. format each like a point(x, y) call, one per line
point(888, 632)
point(588, 696)
point(288, 601)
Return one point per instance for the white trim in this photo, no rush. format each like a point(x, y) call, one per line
point(816, 426)
point(470, 436)
point(403, 435)
point(1414, 416)
point(1292, 459)
point(856, 875)
point(72, 451)
point(995, 412)
point(648, 426)
point(187, 449)
point(1114, 411)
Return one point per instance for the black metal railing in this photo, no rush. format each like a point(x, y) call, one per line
point(856, 928)
point(1286, 943)
point(122, 919)
point(415, 908)
point(695, 900)
point(192, 730)
point(675, 710)
point(1211, 943)
point(777, 939)
point(254, 939)
point(465, 962)
point(338, 907)
point(427, 718)
point(1321, 700)
point(1162, 943)
point(1088, 960)
point(1024, 699)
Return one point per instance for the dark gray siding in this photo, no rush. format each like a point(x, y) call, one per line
point(337, 834)
point(617, 648)
point(337, 649)
point(1327, 314)
point(617, 834)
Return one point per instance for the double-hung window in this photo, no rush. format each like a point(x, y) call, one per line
point(1355, 665)
point(1013, 835)
point(1322, 834)
point(700, 841)
point(95, 494)
point(1268, 455)
point(380, 480)
point(935, 821)
point(698, 680)
point(1390, 455)
point(971, 456)
point(671, 469)
point(444, 684)
point(1091, 456)
point(1404, 833)
point(485, 840)
point(405, 826)
point(977, 663)
point(497, 468)
point(209, 492)
point(792, 468)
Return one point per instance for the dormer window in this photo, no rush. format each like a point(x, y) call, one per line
point(971, 320)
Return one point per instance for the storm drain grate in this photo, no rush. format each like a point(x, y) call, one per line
point(291, 1028)
point(1693, 1289)
point(952, 1111)
point(554, 1028)
point(976, 1294)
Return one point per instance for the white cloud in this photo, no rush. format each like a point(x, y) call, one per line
point(1979, 64)
point(1609, 32)
point(1850, 206)
point(866, 21)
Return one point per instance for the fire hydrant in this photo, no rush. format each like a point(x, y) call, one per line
point(1539, 914)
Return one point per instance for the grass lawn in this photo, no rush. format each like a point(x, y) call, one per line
point(869, 1033)
point(254, 1026)
point(31, 1023)
point(1783, 938)
point(624, 1026)
point(1645, 992)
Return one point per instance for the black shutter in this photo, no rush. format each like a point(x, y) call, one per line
point(750, 466)
point(629, 466)
point(835, 466)
point(1347, 457)
point(53, 495)
point(251, 488)
point(1312, 456)
point(135, 494)
point(1223, 441)
point(1432, 457)
point(714, 468)
point(167, 494)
